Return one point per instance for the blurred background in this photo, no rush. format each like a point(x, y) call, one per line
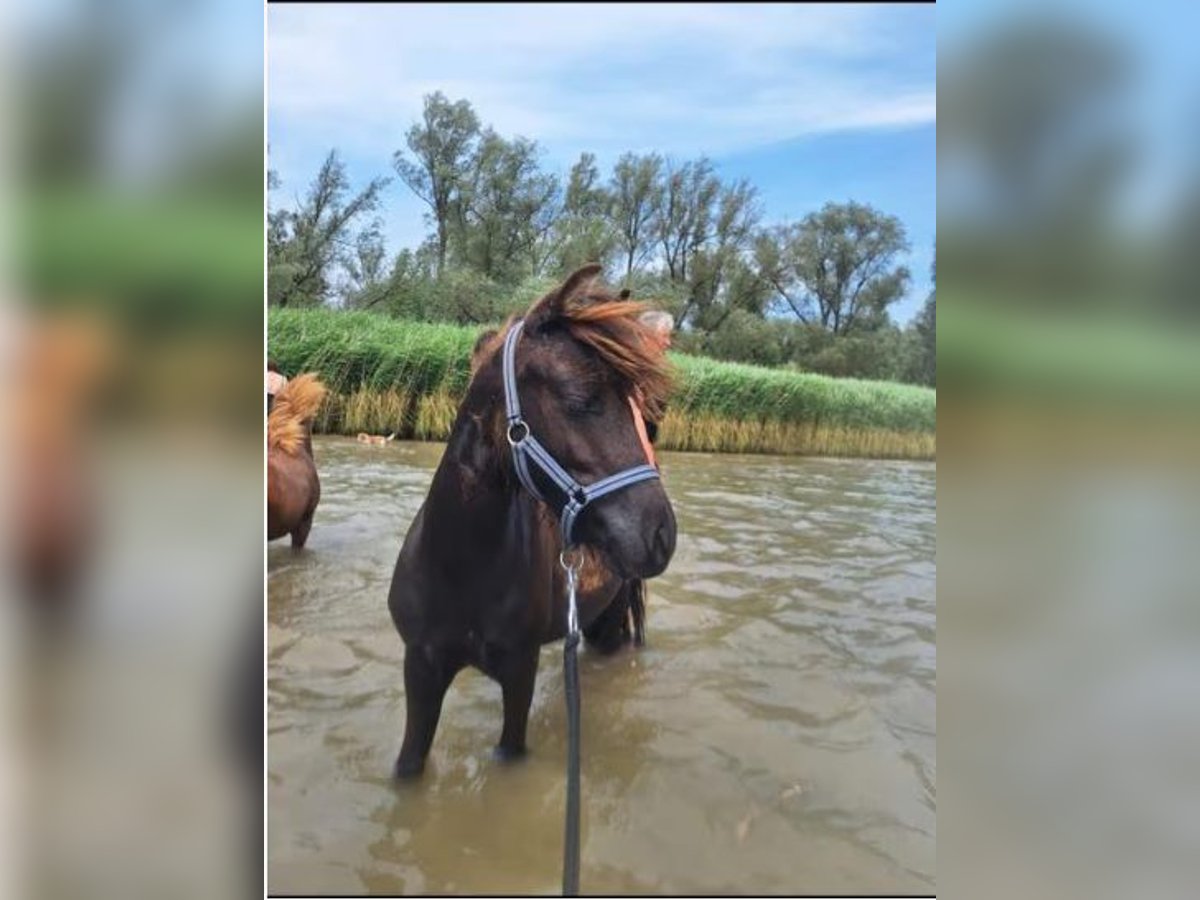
point(1069, 358)
point(131, 742)
point(1069, 213)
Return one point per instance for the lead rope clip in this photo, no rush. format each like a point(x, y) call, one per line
point(571, 565)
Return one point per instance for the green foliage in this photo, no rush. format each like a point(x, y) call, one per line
point(441, 145)
point(306, 245)
point(461, 297)
point(837, 266)
point(579, 240)
point(720, 276)
point(465, 297)
point(743, 336)
point(583, 232)
point(169, 260)
point(879, 355)
point(350, 350)
point(635, 194)
point(354, 350)
point(684, 216)
point(923, 369)
point(505, 210)
point(736, 390)
point(585, 195)
point(367, 284)
point(673, 231)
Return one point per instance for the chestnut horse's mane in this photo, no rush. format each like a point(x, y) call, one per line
point(295, 406)
point(609, 324)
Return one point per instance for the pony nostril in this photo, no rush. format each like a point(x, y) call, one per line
point(661, 549)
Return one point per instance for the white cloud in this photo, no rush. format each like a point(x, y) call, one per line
point(681, 79)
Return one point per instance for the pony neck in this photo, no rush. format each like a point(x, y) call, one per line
point(475, 511)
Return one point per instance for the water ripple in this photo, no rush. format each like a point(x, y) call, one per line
point(776, 735)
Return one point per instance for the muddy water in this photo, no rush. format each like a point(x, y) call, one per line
point(776, 734)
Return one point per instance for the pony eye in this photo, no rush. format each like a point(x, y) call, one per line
point(580, 407)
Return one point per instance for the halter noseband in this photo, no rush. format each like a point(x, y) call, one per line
point(527, 449)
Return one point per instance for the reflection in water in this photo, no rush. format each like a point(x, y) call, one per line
point(776, 734)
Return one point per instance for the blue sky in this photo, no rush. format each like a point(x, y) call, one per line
point(809, 103)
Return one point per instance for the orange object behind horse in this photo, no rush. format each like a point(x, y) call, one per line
point(364, 438)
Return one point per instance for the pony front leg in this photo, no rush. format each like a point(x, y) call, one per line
point(300, 535)
point(516, 672)
point(427, 676)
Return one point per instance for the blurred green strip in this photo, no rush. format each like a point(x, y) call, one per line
point(1104, 360)
point(152, 260)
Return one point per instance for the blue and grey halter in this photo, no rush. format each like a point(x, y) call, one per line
point(527, 449)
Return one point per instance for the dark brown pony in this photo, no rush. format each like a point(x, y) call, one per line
point(293, 488)
point(478, 581)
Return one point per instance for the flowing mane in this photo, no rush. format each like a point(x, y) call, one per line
point(609, 324)
point(295, 406)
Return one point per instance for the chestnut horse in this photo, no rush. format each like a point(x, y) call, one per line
point(293, 488)
point(59, 368)
point(478, 581)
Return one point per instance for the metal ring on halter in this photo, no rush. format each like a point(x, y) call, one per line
point(509, 434)
point(576, 559)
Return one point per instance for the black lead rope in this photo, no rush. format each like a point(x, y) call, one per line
point(571, 832)
point(527, 450)
point(571, 683)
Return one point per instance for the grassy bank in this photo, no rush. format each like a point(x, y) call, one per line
point(386, 375)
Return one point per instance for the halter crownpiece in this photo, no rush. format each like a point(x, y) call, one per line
point(527, 449)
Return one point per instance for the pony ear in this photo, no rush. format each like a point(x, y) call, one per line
point(578, 279)
point(552, 305)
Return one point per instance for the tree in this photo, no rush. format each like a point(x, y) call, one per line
point(367, 282)
point(585, 195)
point(306, 244)
point(409, 290)
point(443, 145)
point(277, 219)
point(924, 368)
point(583, 232)
point(539, 202)
point(925, 326)
point(281, 269)
point(506, 210)
point(684, 213)
point(745, 337)
point(634, 196)
point(721, 276)
point(837, 266)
